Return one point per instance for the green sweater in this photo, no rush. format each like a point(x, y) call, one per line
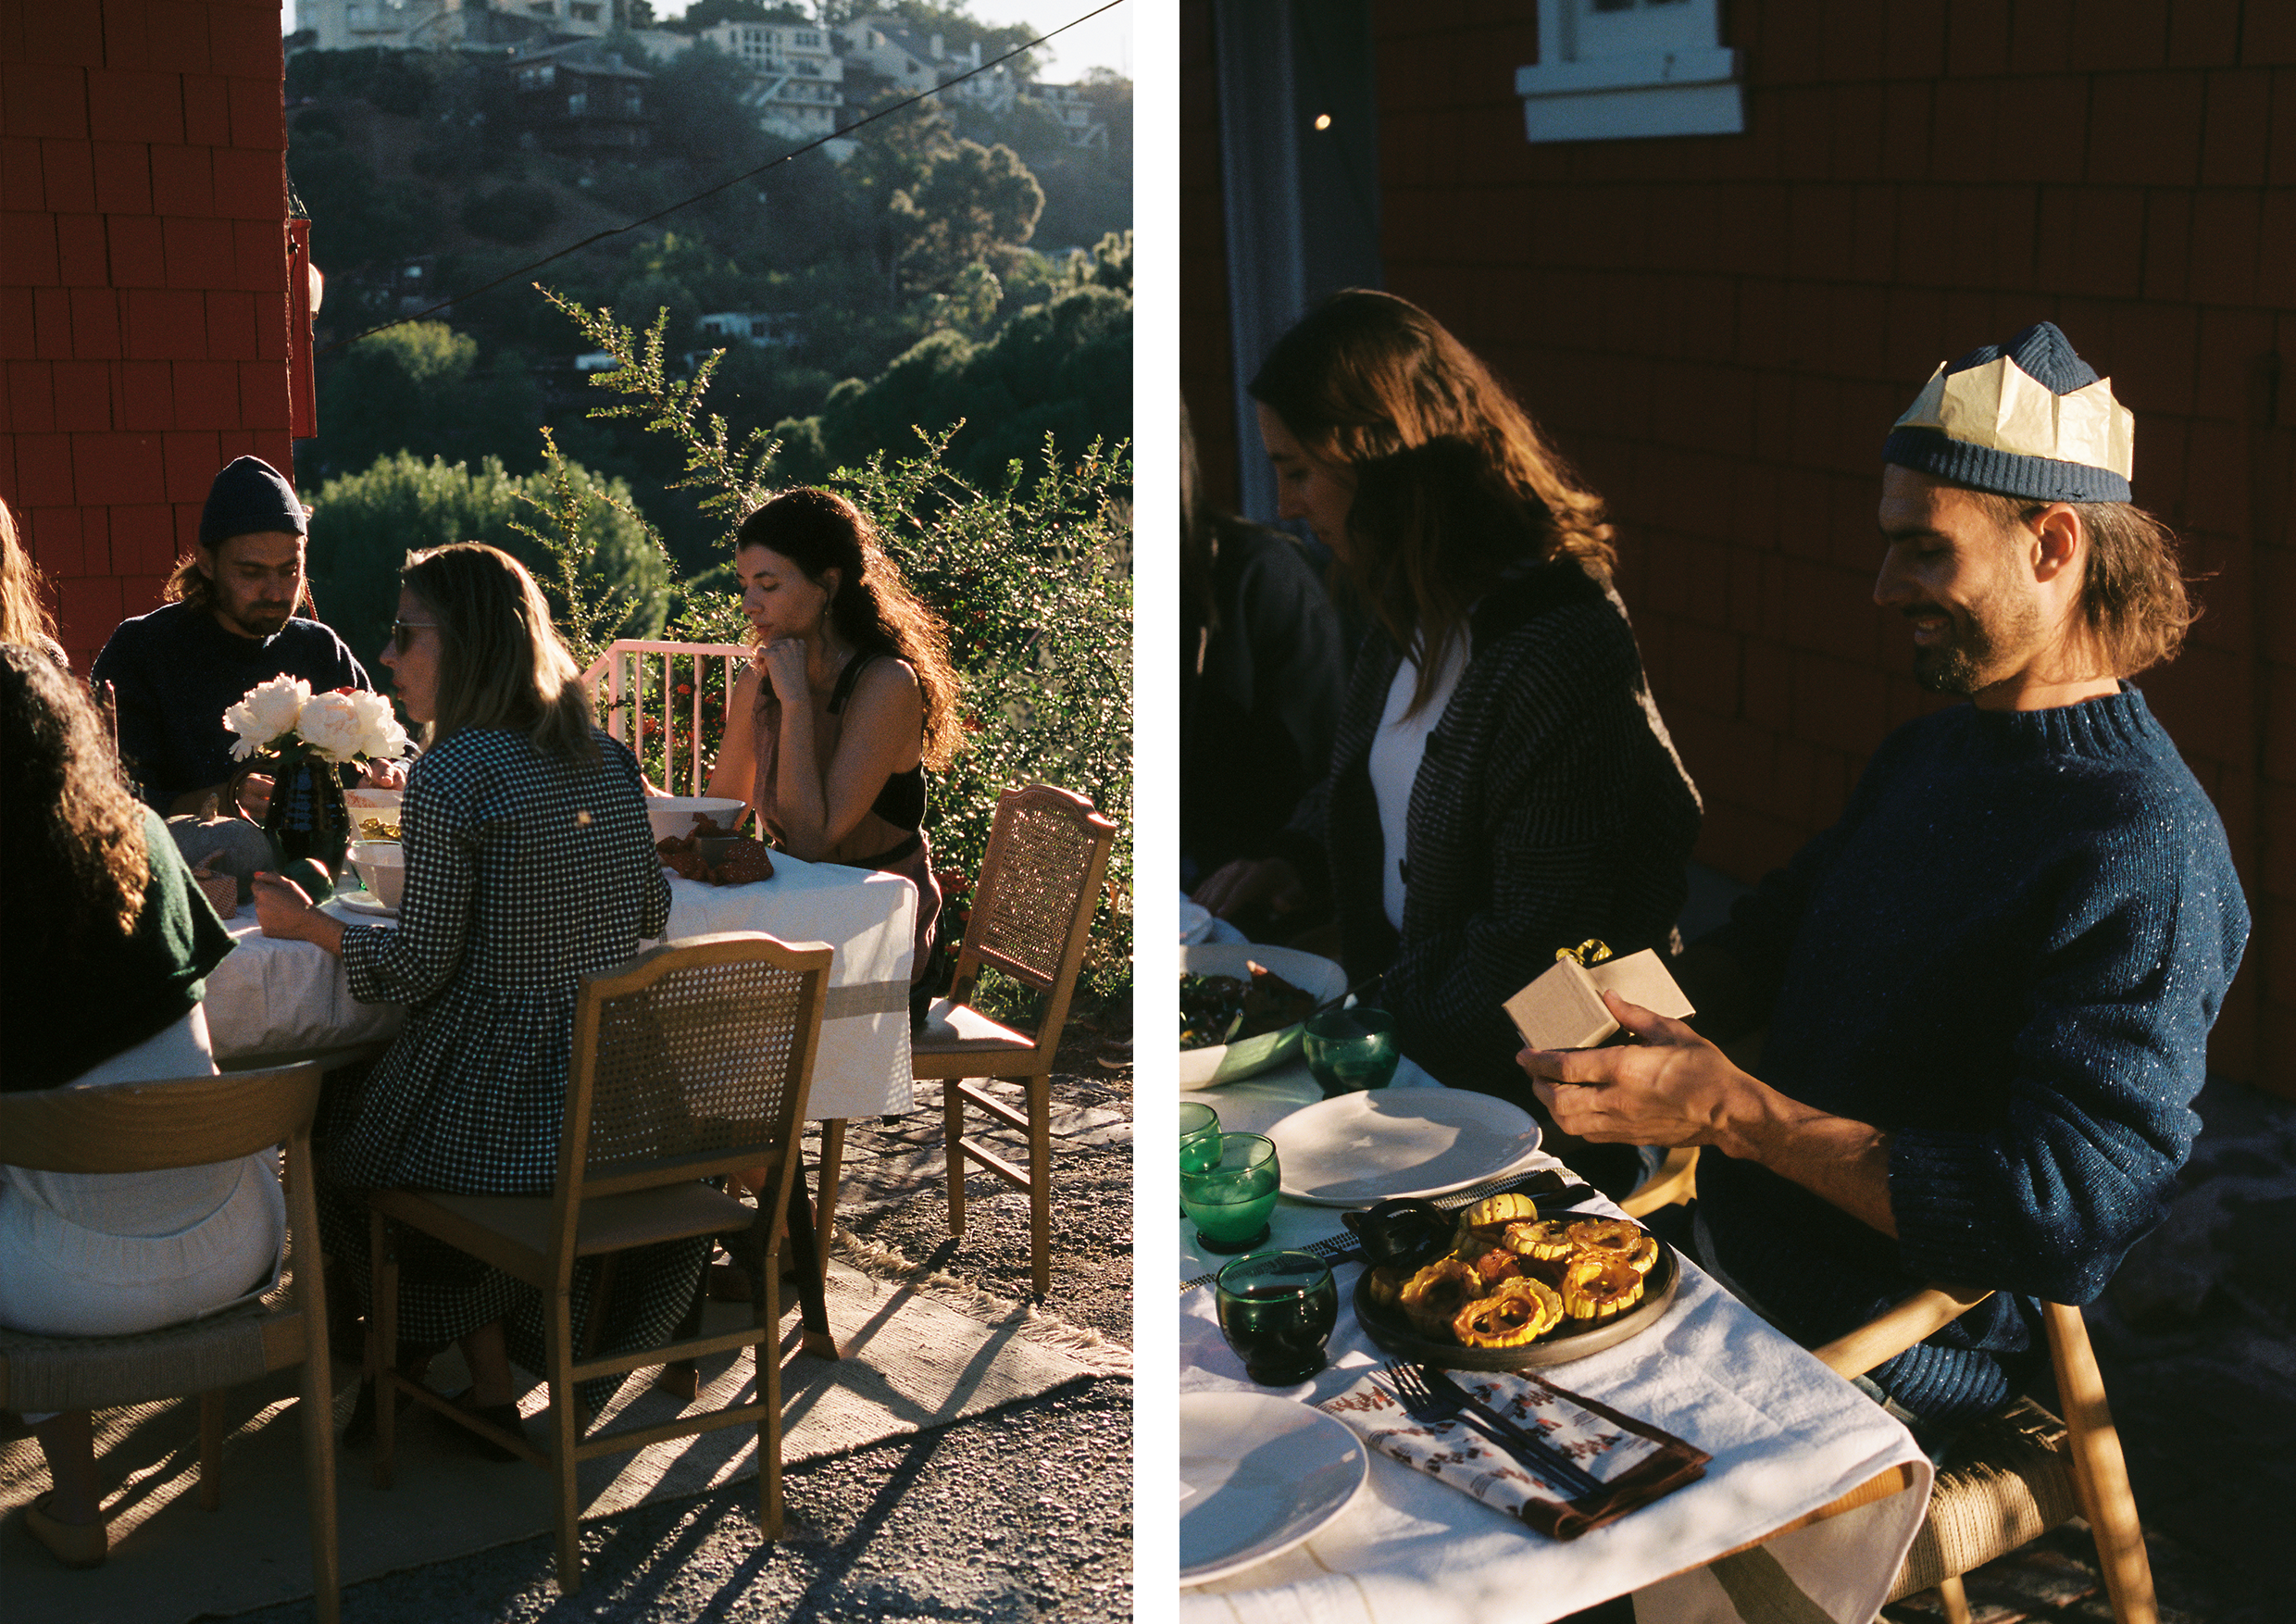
point(70, 1011)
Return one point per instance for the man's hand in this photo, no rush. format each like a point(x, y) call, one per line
point(1672, 1087)
point(1248, 880)
point(252, 793)
point(382, 775)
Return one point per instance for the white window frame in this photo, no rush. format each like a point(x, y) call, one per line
point(1658, 69)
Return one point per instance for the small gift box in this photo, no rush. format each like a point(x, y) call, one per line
point(1563, 1008)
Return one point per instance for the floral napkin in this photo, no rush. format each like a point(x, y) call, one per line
point(1631, 1462)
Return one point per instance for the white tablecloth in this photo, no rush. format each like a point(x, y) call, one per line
point(271, 996)
point(1787, 1436)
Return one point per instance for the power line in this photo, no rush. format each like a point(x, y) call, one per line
point(448, 304)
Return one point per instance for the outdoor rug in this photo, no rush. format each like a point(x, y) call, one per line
point(920, 1352)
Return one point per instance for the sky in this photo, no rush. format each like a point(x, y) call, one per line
point(1105, 41)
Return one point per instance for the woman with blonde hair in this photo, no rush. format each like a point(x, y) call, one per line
point(24, 614)
point(850, 699)
point(1500, 785)
point(530, 864)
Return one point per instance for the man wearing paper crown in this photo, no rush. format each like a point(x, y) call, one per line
point(227, 626)
point(1987, 987)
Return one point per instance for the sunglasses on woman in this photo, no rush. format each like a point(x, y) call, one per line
point(402, 632)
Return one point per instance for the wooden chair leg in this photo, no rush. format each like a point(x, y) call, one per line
point(953, 1130)
point(211, 1450)
point(1956, 1600)
point(825, 1188)
point(1040, 1089)
point(558, 1339)
point(2099, 1469)
point(766, 1349)
point(319, 1469)
point(382, 1345)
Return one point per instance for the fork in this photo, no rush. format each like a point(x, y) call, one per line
point(1415, 1386)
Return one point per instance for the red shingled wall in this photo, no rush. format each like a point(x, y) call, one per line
point(1720, 331)
point(142, 282)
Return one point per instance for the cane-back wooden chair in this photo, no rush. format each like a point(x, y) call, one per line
point(1032, 910)
point(691, 1061)
point(148, 1127)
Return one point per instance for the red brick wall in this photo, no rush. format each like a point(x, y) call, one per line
point(1206, 382)
point(142, 282)
point(1720, 331)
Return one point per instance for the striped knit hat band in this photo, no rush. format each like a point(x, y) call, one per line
point(2028, 419)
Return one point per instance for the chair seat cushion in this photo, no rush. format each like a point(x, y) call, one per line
point(2006, 1481)
point(958, 1028)
point(238, 1343)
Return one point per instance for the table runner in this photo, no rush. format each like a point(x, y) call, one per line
point(1787, 1435)
point(273, 996)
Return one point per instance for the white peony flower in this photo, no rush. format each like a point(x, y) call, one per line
point(331, 726)
point(265, 712)
point(380, 737)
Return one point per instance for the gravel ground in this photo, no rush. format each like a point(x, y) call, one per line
point(1020, 1515)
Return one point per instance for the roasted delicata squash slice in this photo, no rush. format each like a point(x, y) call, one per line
point(1616, 1238)
point(1598, 1287)
point(1549, 1238)
point(1506, 1208)
point(1521, 1311)
point(1386, 1287)
point(1438, 1292)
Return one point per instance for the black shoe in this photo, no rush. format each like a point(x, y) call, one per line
point(505, 1415)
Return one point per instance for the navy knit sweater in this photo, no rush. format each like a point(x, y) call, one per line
point(177, 671)
point(2008, 953)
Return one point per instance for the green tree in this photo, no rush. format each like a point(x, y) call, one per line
point(363, 525)
point(419, 386)
point(971, 199)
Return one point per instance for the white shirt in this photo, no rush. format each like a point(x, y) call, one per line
point(1396, 751)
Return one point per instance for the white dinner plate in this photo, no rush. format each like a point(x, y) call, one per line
point(360, 902)
point(1356, 1148)
point(1257, 1475)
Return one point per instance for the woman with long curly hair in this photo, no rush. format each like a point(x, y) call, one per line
point(107, 945)
point(529, 865)
point(1500, 785)
point(850, 697)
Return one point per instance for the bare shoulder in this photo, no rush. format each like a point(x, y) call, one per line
point(887, 678)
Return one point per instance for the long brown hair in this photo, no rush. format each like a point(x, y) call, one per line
point(873, 608)
point(2134, 610)
point(24, 613)
point(501, 664)
point(72, 829)
point(1454, 484)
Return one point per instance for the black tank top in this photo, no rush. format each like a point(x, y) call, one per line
point(902, 802)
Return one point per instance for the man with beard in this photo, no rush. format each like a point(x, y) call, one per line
point(1989, 987)
point(229, 624)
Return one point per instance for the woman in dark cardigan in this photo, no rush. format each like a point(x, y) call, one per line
point(1501, 784)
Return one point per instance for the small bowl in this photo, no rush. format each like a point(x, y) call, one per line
point(673, 817)
point(381, 865)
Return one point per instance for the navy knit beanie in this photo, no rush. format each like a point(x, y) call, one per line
point(2028, 419)
point(250, 497)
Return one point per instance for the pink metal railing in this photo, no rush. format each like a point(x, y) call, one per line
point(623, 667)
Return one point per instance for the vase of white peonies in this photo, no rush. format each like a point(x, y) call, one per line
point(302, 737)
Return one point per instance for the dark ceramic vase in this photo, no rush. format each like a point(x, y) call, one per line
point(308, 816)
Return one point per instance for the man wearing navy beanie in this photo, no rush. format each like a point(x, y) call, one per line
point(229, 624)
point(1987, 987)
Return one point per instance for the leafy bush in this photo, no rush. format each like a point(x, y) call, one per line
point(363, 525)
point(1032, 574)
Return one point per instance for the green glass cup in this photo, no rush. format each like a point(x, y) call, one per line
point(1230, 1202)
point(1276, 1310)
point(1350, 1050)
point(1199, 1136)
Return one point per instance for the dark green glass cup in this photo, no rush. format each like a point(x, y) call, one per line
point(1231, 1200)
point(1352, 1050)
point(1276, 1310)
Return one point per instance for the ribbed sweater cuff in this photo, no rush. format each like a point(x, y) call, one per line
point(1946, 1228)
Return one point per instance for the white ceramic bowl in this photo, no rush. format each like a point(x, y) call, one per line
point(382, 864)
point(673, 816)
point(1226, 1062)
point(375, 801)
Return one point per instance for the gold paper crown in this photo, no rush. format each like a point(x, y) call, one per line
point(2000, 406)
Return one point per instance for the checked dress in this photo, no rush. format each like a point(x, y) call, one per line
point(524, 873)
